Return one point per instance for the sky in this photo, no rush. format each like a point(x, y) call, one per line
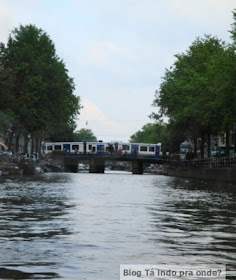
point(117, 51)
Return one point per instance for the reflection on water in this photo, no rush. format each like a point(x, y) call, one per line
point(83, 226)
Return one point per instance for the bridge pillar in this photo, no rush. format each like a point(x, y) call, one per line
point(96, 165)
point(71, 165)
point(137, 167)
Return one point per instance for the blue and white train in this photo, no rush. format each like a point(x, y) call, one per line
point(103, 148)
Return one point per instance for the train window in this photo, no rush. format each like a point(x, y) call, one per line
point(151, 149)
point(49, 148)
point(143, 148)
point(125, 147)
point(57, 147)
point(75, 147)
point(90, 147)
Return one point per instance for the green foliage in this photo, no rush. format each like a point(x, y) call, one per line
point(233, 30)
point(150, 133)
point(69, 135)
point(159, 133)
point(34, 83)
point(184, 95)
point(198, 93)
point(84, 135)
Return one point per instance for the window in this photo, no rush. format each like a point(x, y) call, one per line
point(151, 149)
point(143, 148)
point(100, 149)
point(75, 147)
point(49, 148)
point(90, 147)
point(57, 147)
point(125, 147)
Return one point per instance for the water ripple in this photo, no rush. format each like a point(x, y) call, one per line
point(83, 226)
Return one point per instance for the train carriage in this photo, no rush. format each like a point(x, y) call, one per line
point(100, 148)
point(145, 149)
point(68, 147)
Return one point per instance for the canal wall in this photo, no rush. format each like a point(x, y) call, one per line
point(205, 173)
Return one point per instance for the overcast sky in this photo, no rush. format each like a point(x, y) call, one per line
point(117, 51)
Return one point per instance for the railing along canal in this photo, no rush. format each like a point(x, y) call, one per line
point(213, 162)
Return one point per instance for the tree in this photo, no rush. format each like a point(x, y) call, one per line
point(163, 133)
point(36, 84)
point(148, 134)
point(221, 73)
point(186, 95)
point(84, 135)
point(197, 94)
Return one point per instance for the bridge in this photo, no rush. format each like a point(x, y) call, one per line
point(96, 162)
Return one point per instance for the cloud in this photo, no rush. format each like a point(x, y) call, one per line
point(110, 47)
point(101, 51)
point(93, 118)
point(32, 3)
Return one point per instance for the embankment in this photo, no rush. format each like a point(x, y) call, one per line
point(224, 175)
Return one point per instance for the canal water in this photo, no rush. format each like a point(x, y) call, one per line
point(83, 226)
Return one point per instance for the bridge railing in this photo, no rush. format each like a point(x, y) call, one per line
point(213, 162)
point(109, 155)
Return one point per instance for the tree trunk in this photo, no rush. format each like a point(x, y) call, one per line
point(17, 143)
point(227, 143)
point(26, 141)
point(39, 147)
point(37, 144)
point(208, 144)
point(33, 143)
point(202, 143)
point(10, 141)
point(195, 147)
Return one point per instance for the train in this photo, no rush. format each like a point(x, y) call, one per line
point(102, 148)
